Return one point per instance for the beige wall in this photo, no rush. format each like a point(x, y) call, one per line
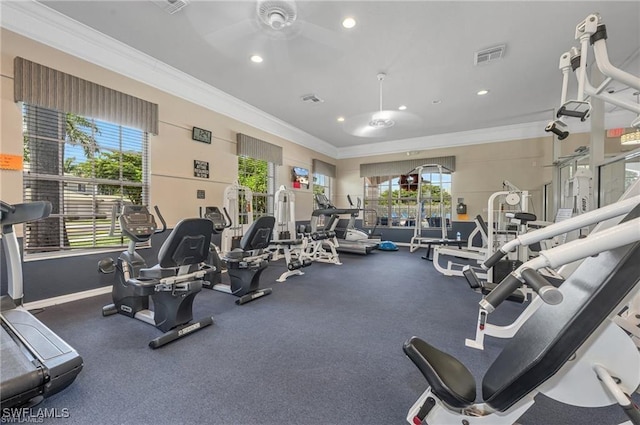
point(480, 169)
point(173, 187)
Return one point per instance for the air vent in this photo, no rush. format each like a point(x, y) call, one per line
point(171, 6)
point(311, 98)
point(489, 55)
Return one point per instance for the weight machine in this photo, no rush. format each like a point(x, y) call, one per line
point(238, 202)
point(418, 239)
point(604, 217)
point(574, 352)
point(590, 31)
point(287, 243)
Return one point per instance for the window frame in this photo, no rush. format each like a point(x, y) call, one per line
point(72, 206)
point(401, 209)
point(259, 198)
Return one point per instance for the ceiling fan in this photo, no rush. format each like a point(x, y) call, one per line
point(273, 29)
point(382, 123)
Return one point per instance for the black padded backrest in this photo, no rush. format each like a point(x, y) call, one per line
point(549, 338)
point(483, 225)
point(188, 243)
point(258, 235)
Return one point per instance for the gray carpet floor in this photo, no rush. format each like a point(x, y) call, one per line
point(324, 348)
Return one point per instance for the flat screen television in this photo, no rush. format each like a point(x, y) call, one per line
point(299, 178)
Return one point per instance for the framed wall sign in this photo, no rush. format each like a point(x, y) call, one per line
point(200, 169)
point(201, 135)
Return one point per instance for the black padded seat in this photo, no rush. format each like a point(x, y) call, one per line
point(449, 379)
point(525, 217)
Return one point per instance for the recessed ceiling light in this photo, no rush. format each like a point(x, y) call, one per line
point(482, 92)
point(256, 59)
point(340, 119)
point(349, 23)
point(402, 107)
point(436, 101)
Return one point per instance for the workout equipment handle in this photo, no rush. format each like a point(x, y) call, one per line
point(164, 223)
point(500, 293)
point(553, 128)
point(493, 260)
point(549, 293)
point(228, 218)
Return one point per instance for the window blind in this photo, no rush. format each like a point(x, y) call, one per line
point(258, 149)
point(402, 167)
point(42, 86)
point(324, 168)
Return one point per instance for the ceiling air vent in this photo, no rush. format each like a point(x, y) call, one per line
point(489, 55)
point(311, 98)
point(171, 6)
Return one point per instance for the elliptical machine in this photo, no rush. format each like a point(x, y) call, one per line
point(171, 285)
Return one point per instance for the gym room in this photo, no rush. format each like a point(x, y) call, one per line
point(320, 212)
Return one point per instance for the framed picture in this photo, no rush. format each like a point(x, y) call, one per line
point(299, 178)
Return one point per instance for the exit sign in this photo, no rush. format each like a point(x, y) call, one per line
point(615, 132)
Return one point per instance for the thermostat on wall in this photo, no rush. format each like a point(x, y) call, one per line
point(201, 135)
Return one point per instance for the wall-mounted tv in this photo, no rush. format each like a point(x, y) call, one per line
point(299, 178)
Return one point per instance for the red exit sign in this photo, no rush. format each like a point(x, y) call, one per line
point(615, 132)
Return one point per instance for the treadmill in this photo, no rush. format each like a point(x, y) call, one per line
point(34, 362)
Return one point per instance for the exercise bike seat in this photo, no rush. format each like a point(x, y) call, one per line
point(449, 379)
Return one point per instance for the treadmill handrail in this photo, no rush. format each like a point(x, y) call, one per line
point(335, 211)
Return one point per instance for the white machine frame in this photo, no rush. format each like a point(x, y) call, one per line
point(233, 195)
point(417, 240)
point(604, 217)
point(604, 369)
point(295, 248)
point(587, 28)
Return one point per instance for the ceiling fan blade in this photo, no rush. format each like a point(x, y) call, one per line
point(324, 36)
point(235, 38)
point(404, 123)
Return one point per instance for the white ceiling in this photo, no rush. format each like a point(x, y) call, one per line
point(426, 48)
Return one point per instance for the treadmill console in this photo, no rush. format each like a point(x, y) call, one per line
point(137, 223)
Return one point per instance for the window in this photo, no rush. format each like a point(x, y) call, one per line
point(392, 200)
point(321, 185)
point(84, 167)
point(259, 176)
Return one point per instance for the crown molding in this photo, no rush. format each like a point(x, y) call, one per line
point(530, 130)
point(47, 26)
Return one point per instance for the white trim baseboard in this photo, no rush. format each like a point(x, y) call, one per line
point(34, 305)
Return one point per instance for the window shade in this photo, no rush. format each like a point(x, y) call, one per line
point(402, 167)
point(324, 168)
point(258, 149)
point(39, 85)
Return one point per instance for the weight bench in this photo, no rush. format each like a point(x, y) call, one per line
point(571, 352)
